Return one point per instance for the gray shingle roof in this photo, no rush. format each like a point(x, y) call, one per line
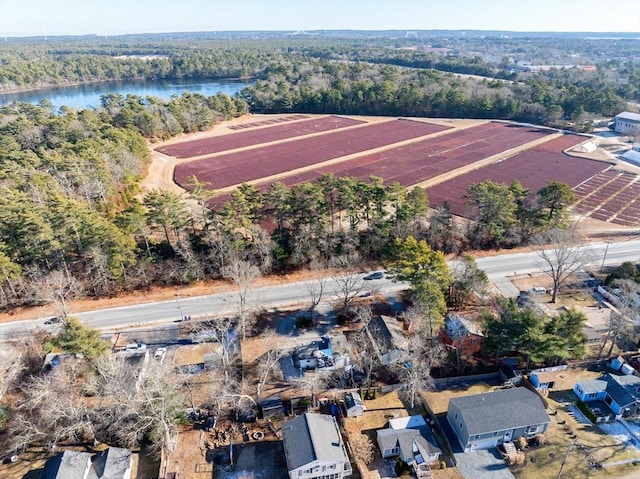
point(66, 465)
point(112, 463)
point(627, 115)
point(593, 386)
point(501, 410)
point(312, 437)
point(405, 438)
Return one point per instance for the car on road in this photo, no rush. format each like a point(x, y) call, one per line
point(376, 275)
point(160, 354)
point(54, 320)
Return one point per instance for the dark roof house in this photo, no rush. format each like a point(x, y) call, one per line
point(314, 448)
point(482, 421)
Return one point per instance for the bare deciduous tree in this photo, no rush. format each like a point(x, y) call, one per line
point(565, 257)
point(316, 289)
point(243, 274)
point(421, 358)
point(267, 362)
point(58, 289)
point(363, 448)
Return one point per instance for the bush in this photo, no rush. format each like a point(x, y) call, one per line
point(402, 468)
point(4, 412)
point(587, 411)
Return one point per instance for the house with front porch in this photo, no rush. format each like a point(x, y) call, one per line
point(483, 421)
point(620, 393)
point(410, 439)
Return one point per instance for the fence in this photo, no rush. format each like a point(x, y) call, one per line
point(444, 383)
point(438, 432)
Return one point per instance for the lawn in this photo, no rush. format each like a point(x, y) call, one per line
point(589, 443)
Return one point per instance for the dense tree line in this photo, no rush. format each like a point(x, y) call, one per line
point(371, 89)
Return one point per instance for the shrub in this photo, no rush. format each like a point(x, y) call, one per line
point(587, 411)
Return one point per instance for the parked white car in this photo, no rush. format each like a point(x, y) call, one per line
point(160, 354)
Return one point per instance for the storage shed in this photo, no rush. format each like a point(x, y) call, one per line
point(354, 405)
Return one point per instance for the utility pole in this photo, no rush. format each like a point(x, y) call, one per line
point(179, 300)
point(605, 256)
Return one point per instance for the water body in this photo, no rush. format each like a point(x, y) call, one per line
point(88, 95)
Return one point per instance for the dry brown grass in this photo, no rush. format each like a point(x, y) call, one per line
point(439, 400)
point(589, 442)
point(194, 353)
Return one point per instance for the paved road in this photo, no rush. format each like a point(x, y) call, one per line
point(499, 267)
point(291, 294)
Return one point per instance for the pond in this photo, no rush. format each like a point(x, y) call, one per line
point(87, 95)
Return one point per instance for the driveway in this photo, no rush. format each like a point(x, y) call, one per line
point(483, 464)
point(487, 464)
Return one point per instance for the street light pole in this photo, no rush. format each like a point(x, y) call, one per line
point(605, 256)
point(180, 306)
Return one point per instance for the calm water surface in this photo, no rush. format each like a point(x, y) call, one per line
point(88, 95)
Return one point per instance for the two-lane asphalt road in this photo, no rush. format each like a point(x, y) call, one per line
point(498, 268)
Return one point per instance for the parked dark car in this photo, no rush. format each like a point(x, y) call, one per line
point(376, 275)
point(54, 320)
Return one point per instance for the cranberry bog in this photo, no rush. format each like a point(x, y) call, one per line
point(217, 144)
point(612, 196)
point(422, 160)
point(296, 149)
point(230, 169)
point(533, 168)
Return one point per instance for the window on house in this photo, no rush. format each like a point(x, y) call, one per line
point(592, 395)
point(460, 425)
point(495, 433)
point(455, 416)
point(532, 429)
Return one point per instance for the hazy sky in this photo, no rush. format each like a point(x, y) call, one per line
point(111, 17)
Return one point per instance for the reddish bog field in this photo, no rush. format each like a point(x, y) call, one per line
point(217, 144)
point(234, 168)
point(612, 196)
point(425, 159)
point(534, 168)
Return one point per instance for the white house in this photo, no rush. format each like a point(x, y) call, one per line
point(627, 123)
point(314, 448)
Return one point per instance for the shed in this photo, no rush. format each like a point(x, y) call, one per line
point(272, 407)
point(617, 362)
point(543, 379)
point(354, 405)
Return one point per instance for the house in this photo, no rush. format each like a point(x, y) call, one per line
point(67, 465)
point(410, 439)
point(112, 463)
point(317, 354)
point(597, 324)
point(388, 339)
point(627, 123)
point(482, 421)
point(462, 334)
point(543, 380)
point(621, 394)
point(314, 448)
point(354, 405)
